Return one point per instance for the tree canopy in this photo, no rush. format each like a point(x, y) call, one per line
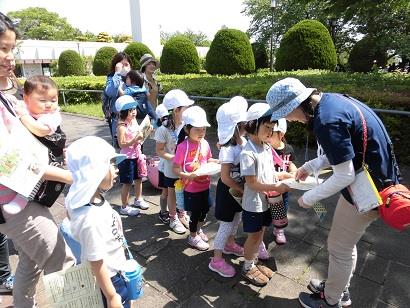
point(198, 38)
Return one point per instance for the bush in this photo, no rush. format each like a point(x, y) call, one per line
point(230, 53)
point(260, 55)
point(102, 60)
point(306, 45)
point(135, 50)
point(364, 52)
point(179, 56)
point(70, 63)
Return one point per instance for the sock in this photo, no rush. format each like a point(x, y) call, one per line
point(163, 205)
point(15, 205)
point(248, 264)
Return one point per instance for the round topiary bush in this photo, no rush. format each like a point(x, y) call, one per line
point(260, 55)
point(364, 52)
point(102, 60)
point(70, 63)
point(230, 53)
point(135, 50)
point(179, 56)
point(306, 45)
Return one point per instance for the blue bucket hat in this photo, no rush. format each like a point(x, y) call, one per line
point(285, 96)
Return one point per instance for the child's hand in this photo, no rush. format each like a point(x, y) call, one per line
point(20, 108)
point(301, 174)
point(192, 176)
point(115, 301)
point(281, 188)
point(285, 175)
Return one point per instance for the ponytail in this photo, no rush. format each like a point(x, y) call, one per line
point(183, 134)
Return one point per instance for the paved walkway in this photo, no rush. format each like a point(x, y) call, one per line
point(178, 276)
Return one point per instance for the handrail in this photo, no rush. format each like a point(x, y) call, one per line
point(217, 98)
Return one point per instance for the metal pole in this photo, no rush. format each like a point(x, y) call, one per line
point(271, 44)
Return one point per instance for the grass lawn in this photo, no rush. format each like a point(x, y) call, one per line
point(90, 109)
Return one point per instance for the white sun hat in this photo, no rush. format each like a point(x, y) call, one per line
point(89, 160)
point(195, 116)
point(161, 111)
point(125, 102)
point(286, 95)
point(176, 98)
point(281, 126)
point(228, 116)
point(257, 111)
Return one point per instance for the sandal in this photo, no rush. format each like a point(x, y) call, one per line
point(265, 270)
point(255, 277)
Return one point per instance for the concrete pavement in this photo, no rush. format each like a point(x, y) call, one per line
point(178, 276)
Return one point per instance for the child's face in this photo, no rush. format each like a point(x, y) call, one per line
point(275, 139)
point(41, 102)
point(109, 179)
point(265, 131)
point(132, 113)
point(128, 81)
point(197, 133)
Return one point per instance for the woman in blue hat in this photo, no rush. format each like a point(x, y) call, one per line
point(338, 122)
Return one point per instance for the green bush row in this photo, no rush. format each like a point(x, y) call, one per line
point(384, 91)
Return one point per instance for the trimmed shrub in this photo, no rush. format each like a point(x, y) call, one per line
point(70, 63)
point(135, 50)
point(102, 60)
point(230, 53)
point(260, 54)
point(364, 52)
point(306, 45)
point(179, 56)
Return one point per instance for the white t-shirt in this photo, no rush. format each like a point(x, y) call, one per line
point(99, 231)
point(256, 160)
point(231, 155)
point(169, 138)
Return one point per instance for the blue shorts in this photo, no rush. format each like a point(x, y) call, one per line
point(253, 222)
point(128, 170)
point(120, 286)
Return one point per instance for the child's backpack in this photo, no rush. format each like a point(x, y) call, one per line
point(144, 106)
point(106, 107)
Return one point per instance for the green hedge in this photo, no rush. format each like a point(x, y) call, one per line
point(179, 56)
point(70, 63)
point(384, 91)
point(364, 52)
point(102, 60)
point(135, 51)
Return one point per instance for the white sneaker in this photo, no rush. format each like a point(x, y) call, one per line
point(176, 225)
point(198, 243)
point(141, 204)
point(129, 211)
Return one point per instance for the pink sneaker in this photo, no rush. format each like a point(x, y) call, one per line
point(197, 243)
point(263, 253)
point(233, 249)
point(221, 267)
point(203, 235)
point(280, 237)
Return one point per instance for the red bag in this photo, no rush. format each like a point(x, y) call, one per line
point(395, 210)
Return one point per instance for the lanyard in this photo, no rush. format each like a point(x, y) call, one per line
point(186, 154)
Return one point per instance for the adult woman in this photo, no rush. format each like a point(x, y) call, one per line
point(338, 123)
point(148, 67)
point(114, 87)
point(33, 231)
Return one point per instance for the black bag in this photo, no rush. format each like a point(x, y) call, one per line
point(144, 106)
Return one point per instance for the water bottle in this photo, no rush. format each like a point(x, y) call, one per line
point(133, 278)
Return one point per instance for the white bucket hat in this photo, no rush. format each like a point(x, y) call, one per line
point(176, 98)
point(88, 159)
point(125, 102)
point(228, 116)
point(147, 58)
point(161, 111)
point(286, 95)
point(257, 111)
point(195, 116)
point(281, 126)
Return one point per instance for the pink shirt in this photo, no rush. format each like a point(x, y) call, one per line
point(189, 156)
point(134, 150)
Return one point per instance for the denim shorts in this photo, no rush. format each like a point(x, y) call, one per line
point(128, 170)
point(120, 286)
point(253, 222)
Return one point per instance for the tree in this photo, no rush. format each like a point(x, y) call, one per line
point(179, 56)
point(198, 38)
point(70, 63)
point(104, 37)
point(135, 51)
point(122, 38)
point(39, 24)
point(102, 60)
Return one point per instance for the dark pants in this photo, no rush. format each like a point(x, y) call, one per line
point(121, 288)
point(198, 204)
point(5, 271)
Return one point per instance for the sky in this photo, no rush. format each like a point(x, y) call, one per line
point(207, 16)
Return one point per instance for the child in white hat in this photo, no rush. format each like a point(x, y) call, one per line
point(231, 119)
point(258, 170)
point(192, 152)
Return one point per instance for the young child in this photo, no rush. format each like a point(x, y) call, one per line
point(258, 169)
point(94, 224)
point(231, 118)
point(191, 153)
point(283, 157)
point(40, 115)
point(166, 136)
point(134, 81)
point(131, 169)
